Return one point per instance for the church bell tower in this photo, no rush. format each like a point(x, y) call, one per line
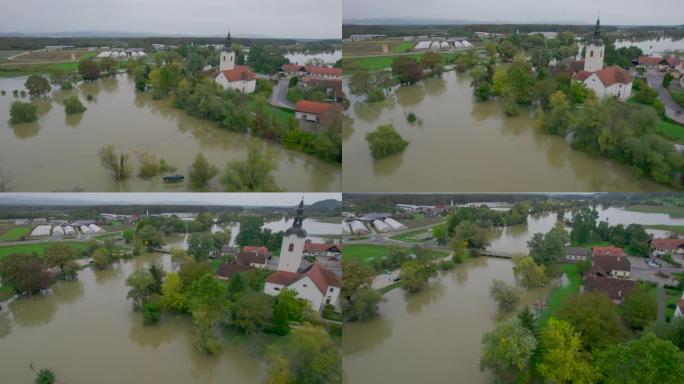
point(227, 59)
point(292, 248)
point(593, 57)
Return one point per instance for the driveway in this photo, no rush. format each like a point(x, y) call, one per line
point(279, 96)
point(673, 110)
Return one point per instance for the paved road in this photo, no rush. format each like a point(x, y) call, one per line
point(672, 109)
point(279, 96)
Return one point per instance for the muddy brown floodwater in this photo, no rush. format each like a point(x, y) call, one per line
point(466, 146)
point(60, 152)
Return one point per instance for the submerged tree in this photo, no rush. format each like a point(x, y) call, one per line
point(385, 141)
point(118, 165)
point(252, 174)
point(201, 172)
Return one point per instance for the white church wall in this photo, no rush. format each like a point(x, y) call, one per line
point(291, 253)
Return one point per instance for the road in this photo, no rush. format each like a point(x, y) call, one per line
point(673, 110)
point(279, 96)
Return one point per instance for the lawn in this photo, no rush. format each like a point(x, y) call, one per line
point(367, 252)
point(38, 248)
point(15, 233)
point(666, 207)
point(415, 236)
point(15, 70)
point(671, 131)
point(560, 293)
point(406, 46)
point(671, 299)
point(376, 63)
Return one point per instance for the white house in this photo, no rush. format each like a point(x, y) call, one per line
point(317, 285)
point(679, 311)
point(611, 81)
point(237, 77)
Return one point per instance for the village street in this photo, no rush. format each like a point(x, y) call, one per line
point(672, 109)
point(279, 95)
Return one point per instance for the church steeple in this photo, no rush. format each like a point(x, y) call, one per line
point(299, 219)
point(597, 30)
point(228, 44)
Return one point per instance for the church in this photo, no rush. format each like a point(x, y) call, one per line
point(610, 81)
point(317, 285)
point(233, 76)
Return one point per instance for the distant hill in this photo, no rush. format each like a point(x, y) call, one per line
point(328, 204)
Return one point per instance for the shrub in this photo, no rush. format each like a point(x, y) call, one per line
point(411, 117)
point(385, 141)
point(375, 96)
point(678, 97)
point(73, 105)
point(21, 112)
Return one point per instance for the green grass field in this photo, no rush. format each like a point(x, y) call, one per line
point(415, 236)
point(560, 293)
point(367, 252)
point(15, 233)
point(671, 299)
point(376, 63)
point(406, 46)
point(666, 207)
point(38, 248)
point(671, 131)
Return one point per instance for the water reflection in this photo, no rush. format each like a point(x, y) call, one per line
point(5, 324)
point(26, 130)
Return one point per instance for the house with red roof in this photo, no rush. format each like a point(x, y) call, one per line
point(605, 82)
point(333, 251)
point(261, 250)
point(311, 114)
point(606, 251)
point(661, 247)
point(322, 72)
point(232, 76)
point(616, 289)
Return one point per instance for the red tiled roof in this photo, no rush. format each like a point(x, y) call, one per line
point(616, 289)
point(576, 66)
point(283, 278)
point(649, 60)
point(252, 248)
point(320, 70)
point(313, 107)
point(292, 68)
point(240, 72)
point(608, 76)
point(323, 278)
point(667, 243)
point(673, 61)
point(248, 258)
point(582, 75)
point(229, 270)
point(319, 247)
point(612, 251)
point(605, 264)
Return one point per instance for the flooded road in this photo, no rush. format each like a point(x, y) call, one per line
point(433, 336)
point(85, 329)
point(60, 153)
point(466, 146)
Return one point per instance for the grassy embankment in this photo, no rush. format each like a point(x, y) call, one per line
point(367, 252)
point(13, 233)
point(38, 248)
point(415, 236)
point(666, 128)
point(560, 293)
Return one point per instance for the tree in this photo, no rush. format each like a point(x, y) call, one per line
point(73, 105)
point(252, 174)
point(526, 318)
point(407, 69)
point(141, 282)
point(507, 350)
point(385, 141)
point(595, 317)
point(639, 308)
point(360, 83)
point(118, 165)
point(151, 310)
point(61, 256)
point(667, 79)
point(583, 224)
point(45, 376)
point(37, 86)
point(25, 273)
point(366, 304)
point(195, 63)
point(101, 258)
point(281, 321)
point(646, 360)
point(415, 275)
point(208, 305)
point(307, 356)
point(89, 69)
point(563, 359)
point(357, 276)
point(201, 172)
point(528, 272)
point(469, 233)
point(432, 61)
point(173, 297)
point(150, 236)
point(22, 112)
point(252, 312)
point(505, 295)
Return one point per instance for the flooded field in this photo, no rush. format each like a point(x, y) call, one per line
point(303, 58)
point(652, 46)
point(466, 146)
point(60, 153)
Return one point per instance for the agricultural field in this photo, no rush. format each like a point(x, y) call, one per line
point(13, 233)
point(367, 252)
point(374, 47)
point(376, 63)
point(42, 56)
point(38, 248)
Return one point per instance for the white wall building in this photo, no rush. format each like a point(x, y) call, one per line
point(236, 77)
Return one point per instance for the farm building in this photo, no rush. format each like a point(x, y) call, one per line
point(359, 228)
point(381, 227)
point(397, 226)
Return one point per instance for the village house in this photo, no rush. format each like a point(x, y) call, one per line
point(616, 289)
point(321, 72)
point(226, 271)
point(610, 81)
point(575, 254)
point(332, 88)
point(311, 115)
point(229, 250)
point(661, 247)
point(317, 285)
point(251, 259)
point(261, 250)
point(293, 70)
point(606, 251)
point(232, 76)
point(332, 251)
point(611, 266)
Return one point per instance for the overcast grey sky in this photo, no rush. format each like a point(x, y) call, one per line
point(287, 19)
point(244, 199)
point(612, 11)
